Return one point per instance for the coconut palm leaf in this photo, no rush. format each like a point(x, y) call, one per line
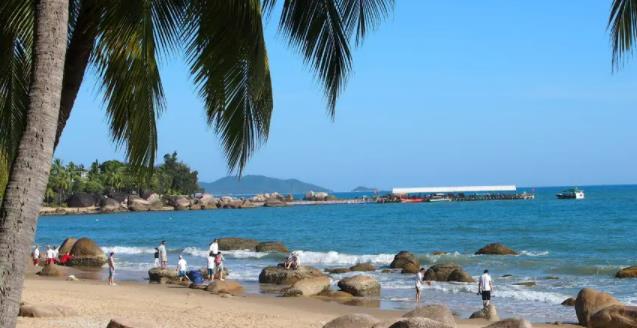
point(623, 29)
point(228, 59)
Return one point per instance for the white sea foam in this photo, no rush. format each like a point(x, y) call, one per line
point(534, 253)
point(336, 258)
point(502, 291)
point(128, 250)
point(238, 254)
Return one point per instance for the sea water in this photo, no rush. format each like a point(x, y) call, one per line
point(564, 245)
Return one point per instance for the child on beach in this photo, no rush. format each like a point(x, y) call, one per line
point(485, 286)
point(219, 265)
point(211, 266)
point(156, 257)
point(182, 268)
point(36, 255)
point(163, 256)
point(111, 269)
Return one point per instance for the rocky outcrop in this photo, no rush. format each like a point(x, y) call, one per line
point(363, 267)
point(179, 202)
point(335, 294)
point(511, 323)
point(629, 272)
point(569, 301)
point(155, 202)
point(86, 253)
point(437, 312)
point(137, 204)
point(205, 202)
point(589, 301)
point(281, 276)
point(489, 313)
point(614, 316)
point(355, 320)
point(110, 205)
point(225, 287)
point(496, 249)
point(45, 311)
point(360, 285)
point(271, 246)
point(316, 196)
point(308, 287)
point(337, 270)
point(66, 245)
point(162, 276)
point(447, 272)
point(127, 323)
point(232, 243)
point(418, 322)
point(406, 261)
point(273, 202)
point(81, 199)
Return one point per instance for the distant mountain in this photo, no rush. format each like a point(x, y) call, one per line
point(364, 189)
point(258, 184)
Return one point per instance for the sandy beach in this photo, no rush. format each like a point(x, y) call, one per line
point(176, 306)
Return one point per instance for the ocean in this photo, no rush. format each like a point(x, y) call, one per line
point(564, 245)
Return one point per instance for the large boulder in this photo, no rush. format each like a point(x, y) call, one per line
point(614, 316)
point(363, 267)
point(205, 202)
point(447, 272)
point(67, 245)
point(232, 243)
point(589, 301)
point(179, 202)
point(569, 301)
point(128, 323)
point(354, 320)
point(45, 311)
point(138, 204)
point(155, 202)
point(489, 313)
point(629, 272)
point(225, 287)
point(274, 202)
point(81, 199)
point(271, 246)
point(360, 285)
point(118, 196)
point(280, 276)
point(511, 323)
point(162, 276)
point(337, 270)
point(52, 270)
point(109, 205)
point(418, 322)
point(308, 287)
point(86, 253)
point(496, 249)
point(403, 258)
point(437, 312)
point(410, 268)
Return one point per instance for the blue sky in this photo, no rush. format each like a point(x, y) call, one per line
point(444, 93)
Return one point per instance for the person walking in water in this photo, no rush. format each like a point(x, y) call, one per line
point(111, 269)
point(485, 286)
point(214, 246)
point(156, 257)
point(420, 283)
point(163, 256)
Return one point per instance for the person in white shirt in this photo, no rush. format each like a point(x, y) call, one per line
point(36, 255)
point(485, 286)
point(211, 266)
point(420, 283)
point(50, 255)
point(214, 247)
point(163, 256)
point(182, 268)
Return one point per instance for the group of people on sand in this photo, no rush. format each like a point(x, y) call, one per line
point(214, 265)
point(485, 286)
point(52, 256)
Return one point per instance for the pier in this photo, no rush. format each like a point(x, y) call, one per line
point(454, 194)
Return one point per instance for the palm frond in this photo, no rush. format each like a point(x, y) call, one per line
point(623, 29)
point(132, 33)
point(229, 63)
point(361, 16)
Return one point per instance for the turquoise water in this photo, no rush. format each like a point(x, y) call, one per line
point(581, 243)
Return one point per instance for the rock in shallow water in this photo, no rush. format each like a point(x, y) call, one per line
point(589, 301)
point(629, 272)
point(447, 272)
point(225, 287)
point(496, 249)
point(360, 285)
point(405, 258)
point(280, 276)
point(614, 316)
point(308, 287)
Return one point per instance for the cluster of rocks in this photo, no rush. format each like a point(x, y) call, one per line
point(597, 309)
point(235, 243)
point(318, 196)
point(84, 251)
point(427, 316)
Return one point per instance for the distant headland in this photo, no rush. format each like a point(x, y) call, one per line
point(258, 184)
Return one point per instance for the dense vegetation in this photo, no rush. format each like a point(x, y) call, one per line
point(172, 177)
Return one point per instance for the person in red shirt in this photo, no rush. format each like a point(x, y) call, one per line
point(66, 258)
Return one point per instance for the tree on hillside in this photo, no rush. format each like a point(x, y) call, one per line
point(46, 46)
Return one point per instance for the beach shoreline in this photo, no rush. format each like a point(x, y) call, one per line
point(172, 305)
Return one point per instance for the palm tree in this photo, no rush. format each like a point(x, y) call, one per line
point(32, 161)
point(623, 28)
point(224, 45)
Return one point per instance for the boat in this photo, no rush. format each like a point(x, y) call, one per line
point(439, 198)
point(412, 200)
point(571, 194)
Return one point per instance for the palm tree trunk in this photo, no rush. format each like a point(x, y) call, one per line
point(30, 169)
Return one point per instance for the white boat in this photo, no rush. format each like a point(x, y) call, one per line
point(571, 194)
point(439, 198)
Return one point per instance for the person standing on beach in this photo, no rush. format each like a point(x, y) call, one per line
point(219, 265)
point(163, 256)
point(156, 257)
point(111, 269)
point(182, 268)
point(50, 255)
point(485, 286)
point(36, 255)
point(211, 266)
point(420, 283)
point(214, 246)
